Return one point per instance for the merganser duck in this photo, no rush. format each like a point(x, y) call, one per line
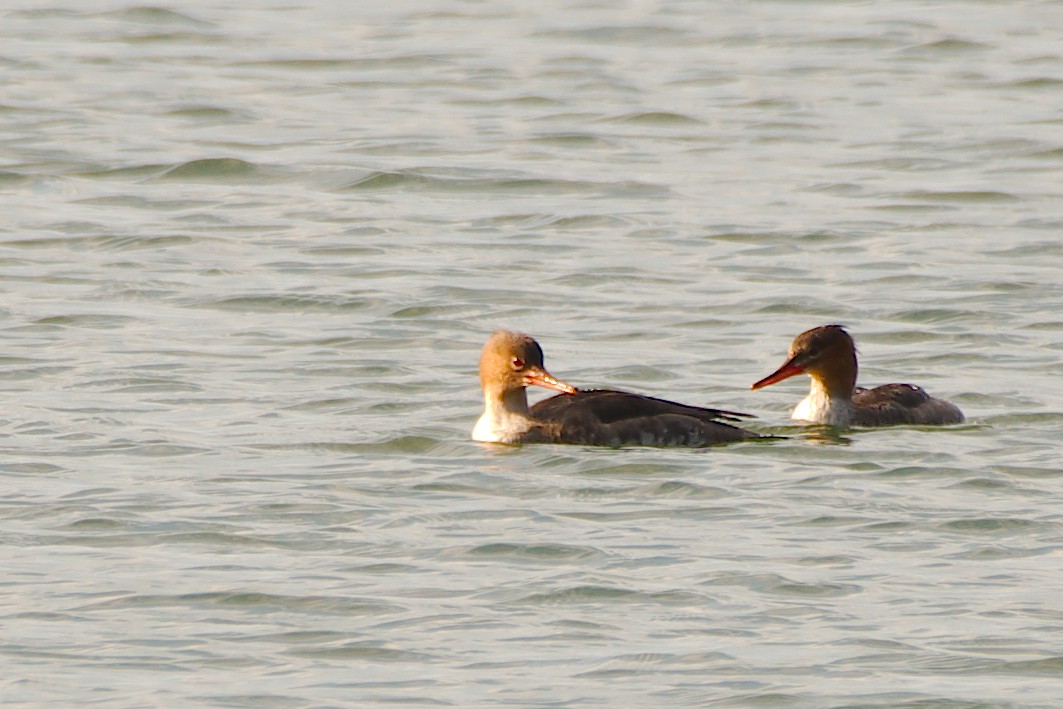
point(827, 354)
point(512, 361)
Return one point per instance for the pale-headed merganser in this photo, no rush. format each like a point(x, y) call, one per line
point(827, 354)
point(512, 361)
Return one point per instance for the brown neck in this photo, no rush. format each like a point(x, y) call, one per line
point(839, 378)
point(515, 400)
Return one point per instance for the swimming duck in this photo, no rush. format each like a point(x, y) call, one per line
point(513, 361)
point(827, 355)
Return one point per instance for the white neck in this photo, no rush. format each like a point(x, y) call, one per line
point(504, 418)
point(821, 407)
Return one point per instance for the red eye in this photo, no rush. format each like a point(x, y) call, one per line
point(517, 363)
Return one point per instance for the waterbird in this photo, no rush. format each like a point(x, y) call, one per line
point(827, 354)
point(513, 361)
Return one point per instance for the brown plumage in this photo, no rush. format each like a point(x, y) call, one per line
point(827, 354)
point(598, 417)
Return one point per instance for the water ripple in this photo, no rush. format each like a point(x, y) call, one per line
point(249, 260)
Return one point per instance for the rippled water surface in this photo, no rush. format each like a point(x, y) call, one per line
point(250, 251)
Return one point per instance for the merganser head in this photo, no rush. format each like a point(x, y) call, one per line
point(826, 353)
point(512, 361)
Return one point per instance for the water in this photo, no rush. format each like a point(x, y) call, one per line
point(250, 253)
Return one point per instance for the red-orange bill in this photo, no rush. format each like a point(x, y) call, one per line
point(787, 370)
point(540, 377)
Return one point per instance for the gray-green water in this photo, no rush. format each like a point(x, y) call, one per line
point(250, 251)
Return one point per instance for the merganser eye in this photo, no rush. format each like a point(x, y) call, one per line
point(517, 363)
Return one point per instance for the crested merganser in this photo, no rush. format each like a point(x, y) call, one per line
point(512, 361)
point(827, 354)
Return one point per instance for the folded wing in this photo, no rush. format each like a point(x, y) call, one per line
point(901, 403)
point(606, 417)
